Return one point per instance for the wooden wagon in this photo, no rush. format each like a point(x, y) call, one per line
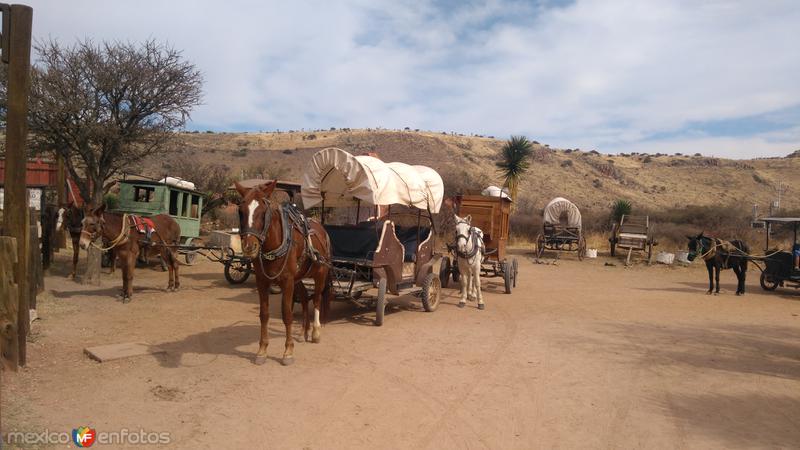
point(632, 233)
point(145, 196)
point(372, 249)
point(490, 214)
point(562, 229)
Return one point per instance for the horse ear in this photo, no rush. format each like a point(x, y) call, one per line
point(268, 188)
point(468, 219)
point(691, 238)
point(240, 189)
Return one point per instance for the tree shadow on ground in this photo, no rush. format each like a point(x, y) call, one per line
point(752, 420)
point(744, 349)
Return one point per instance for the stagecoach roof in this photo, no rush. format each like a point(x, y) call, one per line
point(559, 207)
point(781, 219)
point(342, 179)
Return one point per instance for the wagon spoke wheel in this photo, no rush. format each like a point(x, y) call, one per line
point(431, 292)
point(514, 272)
point(507, 276)
point(581, 248)
point(768, 282)
point(237, 271)
point(444, 272)
point(380, 302)
point(539, 246)
point(191, 256)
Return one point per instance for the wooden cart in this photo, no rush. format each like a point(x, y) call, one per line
point(562, 229)
point(490, 214)
point(632, 233)
point(372, 253)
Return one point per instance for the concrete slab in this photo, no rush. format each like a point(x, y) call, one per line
point(103, 353)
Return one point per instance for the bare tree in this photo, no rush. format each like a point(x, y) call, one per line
point(105, 107)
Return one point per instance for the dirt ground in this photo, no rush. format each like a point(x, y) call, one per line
point(580, 355)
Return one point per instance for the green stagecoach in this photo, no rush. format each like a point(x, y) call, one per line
point(148, 197)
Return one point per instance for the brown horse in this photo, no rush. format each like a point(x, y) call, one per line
point(70, 218)
point(284, 252)
point(120, 233)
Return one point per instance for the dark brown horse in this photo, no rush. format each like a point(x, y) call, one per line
point(70, 218)
point(119, 232)
point(283, 252)
point(719, 254)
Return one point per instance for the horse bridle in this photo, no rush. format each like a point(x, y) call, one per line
point(262, 235)
point(473, 234)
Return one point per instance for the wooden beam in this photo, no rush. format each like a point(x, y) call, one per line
point(16, 219)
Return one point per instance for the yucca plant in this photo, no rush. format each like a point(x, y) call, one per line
point(515, 160)
point(619, 208)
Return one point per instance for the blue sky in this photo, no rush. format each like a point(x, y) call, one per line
point(716, 77)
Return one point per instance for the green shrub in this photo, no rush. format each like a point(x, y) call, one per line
point(620, 208)
point(111, 201)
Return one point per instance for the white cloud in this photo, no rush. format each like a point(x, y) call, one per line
point(594, 73)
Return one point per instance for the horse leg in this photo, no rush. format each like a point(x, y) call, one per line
point(717, 270)
point(477, 283)
point(301, 295)
point(710, 268)
point(125, 269)
point(175, 267)
point(263, 314)
point(320, 289)
point(133, 253)
point(465, 281)
point(286, 311)
point(744, 275)
point(75, 253)
point(112, 256)
point(166, 258)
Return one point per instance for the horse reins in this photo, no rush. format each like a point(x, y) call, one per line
point(473, 235)
point(124, 232)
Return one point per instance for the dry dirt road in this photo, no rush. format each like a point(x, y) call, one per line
point(580, 356)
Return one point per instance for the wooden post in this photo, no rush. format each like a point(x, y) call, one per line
point(9, 302)
point(16, 219)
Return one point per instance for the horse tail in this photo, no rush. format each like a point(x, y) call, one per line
point(327, 293)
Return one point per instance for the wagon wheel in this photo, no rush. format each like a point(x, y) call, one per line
point(539, 246)
point(514, 271)
point(581, 248)
point(456, 272)
point(768, 283)
point(190, 256)
point(380, 303)
point(507, 276)
point(444, 272)
point(431, 292)
point(237, 271)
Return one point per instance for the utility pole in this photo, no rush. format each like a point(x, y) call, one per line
point(16, 52)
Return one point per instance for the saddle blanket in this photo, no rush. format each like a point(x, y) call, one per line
point(143, 225)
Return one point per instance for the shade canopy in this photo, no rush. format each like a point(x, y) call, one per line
point(342, 179)
point(561, 211)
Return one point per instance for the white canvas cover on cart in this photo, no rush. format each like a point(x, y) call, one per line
point(344, 180)
point(560, 207)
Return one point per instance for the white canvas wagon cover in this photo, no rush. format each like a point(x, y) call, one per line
point(343, 180)
point(559, 208)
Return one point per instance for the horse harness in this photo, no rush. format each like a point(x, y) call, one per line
point(291, 218)
point(727, 249)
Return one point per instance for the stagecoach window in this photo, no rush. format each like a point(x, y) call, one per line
point(143, 194)
point(173, 202)
point(195, 211)
point(185, 211)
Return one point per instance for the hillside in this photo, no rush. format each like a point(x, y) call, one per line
point(589, 179)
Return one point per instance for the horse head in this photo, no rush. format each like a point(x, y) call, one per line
point(463, 233)
point(92, 225)
point(253, 208)
point(696, 246)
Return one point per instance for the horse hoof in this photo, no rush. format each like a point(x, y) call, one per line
point(287, 361)
point(481, 306)
point(462, 304)
point(708, 293)
point(316, 339)
point(260, 360)
point(126, 299)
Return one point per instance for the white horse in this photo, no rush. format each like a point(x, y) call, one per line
point(469, 252)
